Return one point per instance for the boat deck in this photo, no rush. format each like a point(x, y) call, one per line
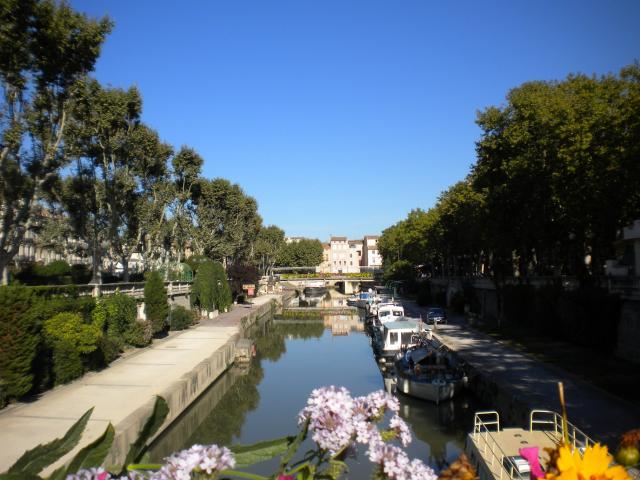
point(491, 449)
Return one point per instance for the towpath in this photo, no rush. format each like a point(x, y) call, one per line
point(598, 413)
point(120, 392)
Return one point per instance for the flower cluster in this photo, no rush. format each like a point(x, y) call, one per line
point(336, 420)
point(594, 463)
point(199, 458)
point(330, 414)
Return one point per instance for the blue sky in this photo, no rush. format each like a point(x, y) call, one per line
point(341, 116)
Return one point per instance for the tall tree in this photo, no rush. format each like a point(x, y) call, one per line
point(268, 246)
point(186, 170)
point(127, 165)
point(227, 221)
point(45, 47)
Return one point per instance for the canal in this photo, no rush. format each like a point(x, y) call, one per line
point(261, 401)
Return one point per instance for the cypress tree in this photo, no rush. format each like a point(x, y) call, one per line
point(155, 301)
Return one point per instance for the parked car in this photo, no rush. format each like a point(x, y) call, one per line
point(436, 315)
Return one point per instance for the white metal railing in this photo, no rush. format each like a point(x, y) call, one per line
point(545, 418)
point(132, 289)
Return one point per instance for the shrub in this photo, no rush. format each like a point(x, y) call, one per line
point(155, 300)
point(121, 314)
point(57, 268)
point(67, 363)
point(181, 318)
point(81, 273)
point(139, 334)
point(70, 338)
point(210, 289)
point(69, 328)
point(19, 339)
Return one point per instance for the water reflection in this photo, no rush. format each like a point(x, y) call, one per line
point(293, 358)
point(329, 299)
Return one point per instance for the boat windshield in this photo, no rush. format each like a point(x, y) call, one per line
point(384, 314)
point(397, 313)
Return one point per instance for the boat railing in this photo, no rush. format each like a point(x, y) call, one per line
point(501, 465)
point(552, 421)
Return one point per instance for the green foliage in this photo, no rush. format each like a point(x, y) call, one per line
point(40, 457)
point(151, 426)
point(69, 338)
point(210, 289)
point(19, 339)
point(116, 315)
point(45, 47)
point(139, 334)
point(305, 253)
point(94, 453)
point(247, 455)
point(69, 328)
point(181, 318)
point(67, 362)
point(227, 219)
point(268, 247)
point(155, 301)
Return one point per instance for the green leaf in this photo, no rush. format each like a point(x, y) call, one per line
point(246, 455)
point(35, 460)
point(93, 454)
point(154, 422)
point(19, 476)
point(293, 448)
point(59, 474)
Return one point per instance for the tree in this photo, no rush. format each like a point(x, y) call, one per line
point(210, 289)
point(186, 170)
point(155, 301)
point(304, 253)
point(45, 47)
point(227, 221)
point(268, 246)
point(126, 164)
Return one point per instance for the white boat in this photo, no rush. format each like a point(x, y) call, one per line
point(389, 312)
point(364, 300)
point(429, 373)
point(397, 336)
point(495, 451)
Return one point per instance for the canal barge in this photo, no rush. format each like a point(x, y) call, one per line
point(395, 337)
point(495, 451)
point(429, 372)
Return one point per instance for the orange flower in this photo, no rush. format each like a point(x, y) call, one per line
point(593, 465)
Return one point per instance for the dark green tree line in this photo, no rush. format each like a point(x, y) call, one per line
point(556, 178)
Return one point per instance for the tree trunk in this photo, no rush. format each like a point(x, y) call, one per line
point(5, 273)
point(125, 268)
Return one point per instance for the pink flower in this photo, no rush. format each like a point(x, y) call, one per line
point(530, 454)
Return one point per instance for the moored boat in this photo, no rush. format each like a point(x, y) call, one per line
point(429, 372)
point(496, 452)
point(394, 337)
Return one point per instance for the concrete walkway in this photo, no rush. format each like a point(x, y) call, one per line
point(127, 386)
point(526, 380)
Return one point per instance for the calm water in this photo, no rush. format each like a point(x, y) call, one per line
point(261, 401)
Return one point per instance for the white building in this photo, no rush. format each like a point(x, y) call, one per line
point(370, 254)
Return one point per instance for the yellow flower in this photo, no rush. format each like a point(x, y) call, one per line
point(593, 465)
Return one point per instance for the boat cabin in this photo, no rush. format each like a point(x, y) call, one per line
point(389, 312)
point(399, 334)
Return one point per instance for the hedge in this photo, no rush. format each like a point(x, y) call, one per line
point(49, 335)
